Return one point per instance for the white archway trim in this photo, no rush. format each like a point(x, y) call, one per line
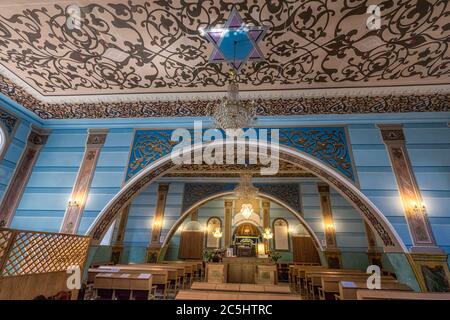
point(3, 141)
point(375, 219)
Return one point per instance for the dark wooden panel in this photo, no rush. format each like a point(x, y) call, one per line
point(191, 245)
point(304, 250)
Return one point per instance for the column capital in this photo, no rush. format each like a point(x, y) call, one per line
point(38, 136)
point(323, 187)
point(392, 133)
point(164, 187)
point(228, 203)
point(96, 138)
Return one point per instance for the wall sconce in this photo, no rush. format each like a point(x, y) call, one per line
point(418, 208)
point(267, 234)
point(157, 223)
point(73, 203)
point(217, 233)
point(329, 227)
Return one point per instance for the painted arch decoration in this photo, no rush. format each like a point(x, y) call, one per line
point(372, 215)
point(328, 144)
point(288, 193)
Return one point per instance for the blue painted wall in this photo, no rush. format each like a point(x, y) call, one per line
point(13, 154)
point(429, 151)
point(45, 198)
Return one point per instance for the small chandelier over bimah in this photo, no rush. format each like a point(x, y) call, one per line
point(246, 210)
point(246, 192)
point(232, 113)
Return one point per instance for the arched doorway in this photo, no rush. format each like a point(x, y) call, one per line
point(388, 237)
point(187, 212)
point(246, 237)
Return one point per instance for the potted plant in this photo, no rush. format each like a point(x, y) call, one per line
point(274, 256)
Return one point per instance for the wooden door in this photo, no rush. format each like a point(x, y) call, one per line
point(191, 245)
point(304, 250)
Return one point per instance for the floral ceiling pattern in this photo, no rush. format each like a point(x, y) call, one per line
point(155, 47)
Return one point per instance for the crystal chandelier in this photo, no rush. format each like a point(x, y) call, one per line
point(246, 210)
point(267, 234)
point(246, 192)
point(217, 233)
point(233, 113)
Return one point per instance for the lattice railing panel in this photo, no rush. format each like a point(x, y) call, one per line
point(5, 235)
point(41, 252)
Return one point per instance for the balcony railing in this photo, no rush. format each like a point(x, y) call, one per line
point(33, 252)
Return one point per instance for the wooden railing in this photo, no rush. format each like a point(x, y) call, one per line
point(33, 252)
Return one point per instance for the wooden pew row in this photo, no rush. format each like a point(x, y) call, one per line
point(124, 286)
point(231, 295)
point(197, 265)
point(183, 272)
point(161, 277)
point(312, 279)
point(175, 273)
point(189, 269)
point(330, 283)
point(257, 288)
point(300, 277)
point(295, 269)
point(348, 289)
point(400, 295)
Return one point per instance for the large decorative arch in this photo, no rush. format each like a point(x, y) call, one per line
point(201, 202)
point(389, 238)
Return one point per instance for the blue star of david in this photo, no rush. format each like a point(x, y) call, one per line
point(235, 43)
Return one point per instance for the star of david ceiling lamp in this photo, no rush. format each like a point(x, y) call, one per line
point(236, 43)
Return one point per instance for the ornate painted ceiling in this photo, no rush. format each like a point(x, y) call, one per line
point(149, 58)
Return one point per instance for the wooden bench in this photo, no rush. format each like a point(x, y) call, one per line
point(236, 295)
point(161, 277)
point(400, 295)
point(242, 287)
point(176, 282)
point(313, 279)
point(348, 289)
point(124, 286)
point(330, 283)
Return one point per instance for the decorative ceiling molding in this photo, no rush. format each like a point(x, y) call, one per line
point(147, 58)
point(235, 170)
point(438, 102)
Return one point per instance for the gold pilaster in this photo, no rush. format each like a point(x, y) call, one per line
point(13, 194)
point(158, 220)
point(413, 206)
point(119, 235)
point(332, 253)
point(228, 207)
point(72, 217)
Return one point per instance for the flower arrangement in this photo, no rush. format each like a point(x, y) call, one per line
point(214, 255)
point(275, 256)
